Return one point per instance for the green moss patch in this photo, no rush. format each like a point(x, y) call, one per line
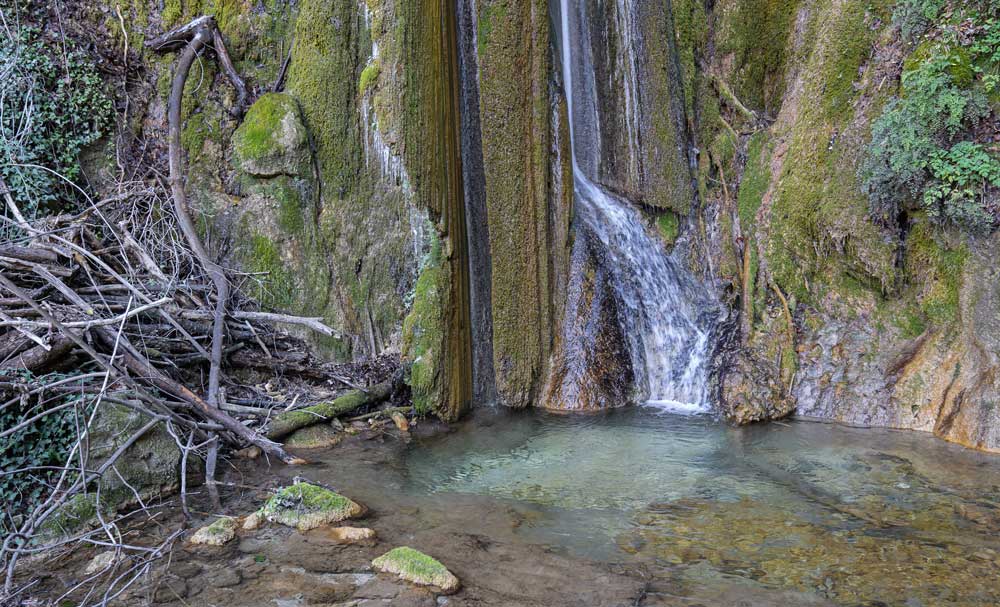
point(221, 531)
point(369, 76)
point(423, 330)
point(306, 506)
point(416, 567)
point(669, 227)
point(272, 139)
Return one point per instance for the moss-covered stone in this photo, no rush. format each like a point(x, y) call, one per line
point(219, 532)
point(416, 567)
point(320, 436)
point(306, 506)
point(272, 139)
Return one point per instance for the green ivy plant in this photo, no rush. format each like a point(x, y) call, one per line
point(53, 104)
point(925, 152)
point(43, 443)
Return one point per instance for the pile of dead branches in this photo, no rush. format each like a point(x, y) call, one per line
point(121, 304)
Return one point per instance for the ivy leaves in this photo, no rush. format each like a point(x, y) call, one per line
point(53, 104)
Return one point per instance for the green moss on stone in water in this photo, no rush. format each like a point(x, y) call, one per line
point(415, 566)
point(306, 506)
point(369, 76)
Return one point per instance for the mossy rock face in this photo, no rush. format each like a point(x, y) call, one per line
point(78, 513)
point(423, 332)
point(416, 567)
point(220, 532)
point(306, 506)
point(272, 140)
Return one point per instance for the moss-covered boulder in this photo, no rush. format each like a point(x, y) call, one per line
point(306, 506)
point(314, 437)
point(416, 567)
point(220, 532)
point(272, 140)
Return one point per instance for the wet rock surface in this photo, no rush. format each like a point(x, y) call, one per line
point(217, 533)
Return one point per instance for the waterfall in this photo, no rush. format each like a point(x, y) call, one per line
point(666, 316)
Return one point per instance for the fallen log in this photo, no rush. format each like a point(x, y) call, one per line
point(41, 356)
point(289, 421)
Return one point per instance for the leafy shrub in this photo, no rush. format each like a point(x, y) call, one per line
point(924, 152)
point(53, 105)
point(964, 184)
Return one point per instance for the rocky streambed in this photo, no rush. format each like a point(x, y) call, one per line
point(633, 507)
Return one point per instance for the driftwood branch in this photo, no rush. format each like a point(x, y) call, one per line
point(290, 421)
point(199, 33)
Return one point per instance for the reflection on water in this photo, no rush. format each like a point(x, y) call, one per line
point(855, 516)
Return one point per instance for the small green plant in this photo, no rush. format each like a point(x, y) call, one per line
point(53, 104)
point(924, 151)
point(964, 183)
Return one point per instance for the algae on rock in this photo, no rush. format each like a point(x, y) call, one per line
point(306, 506)
point(416, 567)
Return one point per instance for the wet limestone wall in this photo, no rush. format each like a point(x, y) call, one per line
point(526, 160)
point(840, 319)
point(339, 192)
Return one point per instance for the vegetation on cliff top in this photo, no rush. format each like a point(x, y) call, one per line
point(929, 149)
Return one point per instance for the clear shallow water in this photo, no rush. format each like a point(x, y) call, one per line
point(849, 515)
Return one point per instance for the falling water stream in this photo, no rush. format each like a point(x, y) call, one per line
point(666, 316)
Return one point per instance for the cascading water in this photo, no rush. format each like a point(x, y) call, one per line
point(666, 318)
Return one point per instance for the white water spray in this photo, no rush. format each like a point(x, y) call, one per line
point(667, 317)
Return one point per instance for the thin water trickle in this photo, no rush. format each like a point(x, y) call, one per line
point(666, 316)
